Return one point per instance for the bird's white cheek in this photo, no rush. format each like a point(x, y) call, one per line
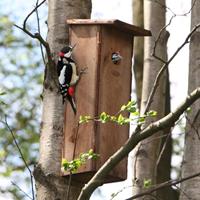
point(68, 55)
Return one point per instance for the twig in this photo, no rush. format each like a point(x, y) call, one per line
point(136, 158)
point(173, 13)
point(183, 192)
point(158, 38)
point(166, 63)
point(38, 27)
point(163, 149)
point(34, 10)
point(163, 185)
point(73, 156)
point(21, 155)
point(113, 195)
point(42, 41)
point(19, 188)
point(164, 67)
point(193, 127)
point(36, 35)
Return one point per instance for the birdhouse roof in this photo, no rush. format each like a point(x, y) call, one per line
point(134, 30)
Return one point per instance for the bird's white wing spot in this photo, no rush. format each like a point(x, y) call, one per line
point(62, 75)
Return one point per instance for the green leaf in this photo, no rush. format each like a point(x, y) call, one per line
point(152, 113)
point(188, 110)
point(141, 119)
point(113, 119)
point(75, 164)
point(147, 183)
point(121, 120)
point(84, 119)
point(123, 108)
point(104, 117)
point(136, 113)
point(2, 93)
point(130, 107)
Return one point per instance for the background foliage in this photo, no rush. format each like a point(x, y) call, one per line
point(21, 75)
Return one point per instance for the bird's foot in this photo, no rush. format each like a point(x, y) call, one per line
point(83, 71)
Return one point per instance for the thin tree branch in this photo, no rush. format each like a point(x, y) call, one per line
point(137, 136)
point(173, 13)
point(73, 157)
point(183, 192)
point(38, 27)
point(193, 127)
point(166, 63)
point(36, 35)
point(21, 155)
point(34, 10)
point(164, 67)
point(158, 39)
point(19, 188)
point(163, 185)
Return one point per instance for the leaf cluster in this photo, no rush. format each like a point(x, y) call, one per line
point(120, 118)
point(73, 165)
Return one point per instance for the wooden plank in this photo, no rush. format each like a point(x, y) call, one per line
point(85, 54)
point(134, 30)
point(114, 91)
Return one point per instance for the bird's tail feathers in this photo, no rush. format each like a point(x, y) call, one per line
point(72, 103)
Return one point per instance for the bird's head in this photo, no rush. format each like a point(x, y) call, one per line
point(66, 52)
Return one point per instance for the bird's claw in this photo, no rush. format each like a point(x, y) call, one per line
point(83, 71)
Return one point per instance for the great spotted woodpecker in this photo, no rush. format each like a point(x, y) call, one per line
point(67, 75)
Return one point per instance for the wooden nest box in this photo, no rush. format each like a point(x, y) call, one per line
point(105, 87)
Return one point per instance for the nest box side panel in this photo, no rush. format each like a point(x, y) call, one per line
point(115, 90)
point(85, 55)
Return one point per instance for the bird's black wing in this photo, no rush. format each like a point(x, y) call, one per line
point(59, 67)
point(68, 73)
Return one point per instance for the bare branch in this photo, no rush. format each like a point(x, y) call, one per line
point(36, 35)
point(183, 192)
point(169, 9)
point(164, 67)
point(73, 157)
point(38, 26)
point(137, 136)
point(158, 39)
point(21, 190)
point(34, 10)
point(21, 155)
point(163, 185)
point(193, 126)
point(166, 63)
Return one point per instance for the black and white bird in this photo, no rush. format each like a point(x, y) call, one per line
point(67, 75)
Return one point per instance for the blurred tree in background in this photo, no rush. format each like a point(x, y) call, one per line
point(21, 76)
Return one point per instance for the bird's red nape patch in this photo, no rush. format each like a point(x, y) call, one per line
point(61, 54)
point(71, 91)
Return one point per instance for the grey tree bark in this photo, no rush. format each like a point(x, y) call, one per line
point(164, 165)
point(147, 152)
point(49, 184)
point(191, 160)
point(138, 50)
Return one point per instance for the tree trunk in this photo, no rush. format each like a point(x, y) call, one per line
point(49, 183)
point(190, 188)
point(164, 162)
point(147, 152)
point(138, 50)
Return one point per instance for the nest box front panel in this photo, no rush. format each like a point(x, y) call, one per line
point(114, 91)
